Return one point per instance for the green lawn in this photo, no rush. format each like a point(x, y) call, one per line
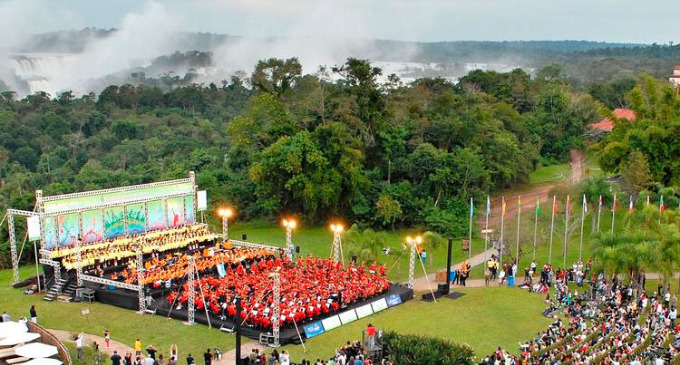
point(484, 318)
point(549, 174)
point(125, 325)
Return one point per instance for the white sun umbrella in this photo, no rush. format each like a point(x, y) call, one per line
point(19, 338)
point(8, 329)
point(36, 350)
point(43, 361)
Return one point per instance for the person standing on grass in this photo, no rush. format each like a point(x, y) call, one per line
point(34, 314)
point(138, 347)
point(115, 358)
point(190, 360)
point(107, 339)
point(207, 357)
point(6, 317)
point(79, 345)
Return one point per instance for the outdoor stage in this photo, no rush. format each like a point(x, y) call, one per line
point(125, 298)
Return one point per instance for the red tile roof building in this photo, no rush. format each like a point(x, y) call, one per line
point(675, 77)
point(606, 124)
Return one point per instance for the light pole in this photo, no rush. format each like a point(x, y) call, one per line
point(412, 242)
point(336, 250)
point(289, 225)
point(225, 213)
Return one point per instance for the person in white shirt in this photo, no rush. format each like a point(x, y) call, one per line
point(285, 359)
point(149, 360)
point(80, 342)
point(6, 317)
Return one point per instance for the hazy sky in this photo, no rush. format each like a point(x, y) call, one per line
point(644, 21)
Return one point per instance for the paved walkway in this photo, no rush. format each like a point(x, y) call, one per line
point(420, 284)
point(228, 358)
point(66, 337)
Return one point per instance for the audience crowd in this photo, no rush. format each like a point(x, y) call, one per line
point(611, 324)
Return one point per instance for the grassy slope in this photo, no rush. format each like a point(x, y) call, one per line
point(484, 318)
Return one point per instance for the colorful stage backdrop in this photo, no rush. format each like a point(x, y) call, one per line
point(98, 223)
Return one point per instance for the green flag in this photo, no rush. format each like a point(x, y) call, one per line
point(538, 206)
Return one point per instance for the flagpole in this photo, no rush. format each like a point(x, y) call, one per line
point(613, 213)
point(566, 234)
point(519, 216)
point(538, 202)
point(583, 219)
point(472, 213)
point(502, 219)
point(486, 230)
point(599, 213)
point(552, 229)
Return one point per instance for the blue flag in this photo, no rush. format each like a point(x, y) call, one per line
point(472, 208)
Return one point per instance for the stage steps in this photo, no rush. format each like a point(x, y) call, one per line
point(55, 290)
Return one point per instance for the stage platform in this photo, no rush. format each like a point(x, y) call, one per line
point(128, 299)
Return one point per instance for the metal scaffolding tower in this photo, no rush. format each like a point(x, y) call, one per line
point(411, 264)
point(140, 279)
point(276, 310)
point(191, 290)
point(13, 249)
point(289, 242)
point(79, 265)
point(337, 248)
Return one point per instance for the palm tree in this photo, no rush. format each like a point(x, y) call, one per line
point(365, 245)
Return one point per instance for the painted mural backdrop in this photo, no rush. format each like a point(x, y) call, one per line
point(135, 217)
point(189, 208)
point(68, 228)
point(93, 226)
point(176, 211)
point(156, 216)
point(50, 225)
point(116, 197)
point(114, 222)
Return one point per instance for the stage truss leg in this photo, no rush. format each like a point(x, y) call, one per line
point(276, 310)
point(289, 242)
point(79, 265)
point(200, 289)
point(337, 247)
point(13, 249)
point(140, 280)
point(412, 266)
point(191, 290)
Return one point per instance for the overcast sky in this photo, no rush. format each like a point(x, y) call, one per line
point(638, 21)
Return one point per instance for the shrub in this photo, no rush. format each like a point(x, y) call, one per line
point(424, 350)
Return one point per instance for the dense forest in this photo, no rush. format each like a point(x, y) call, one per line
point(281, 142)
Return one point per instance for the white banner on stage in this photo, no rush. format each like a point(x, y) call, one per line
point(33, 228)
point(202, 200)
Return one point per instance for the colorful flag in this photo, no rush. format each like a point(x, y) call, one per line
point(662, 207)
point(538, 206)
point(599, 205)
point(585, 204)
point(647, 200)
point(488, 205)
point(631, 205)
point(614, 203)
point(472, 208)
point(554, 206)
point(519, 202)
point(505, 206)
point(568, 207)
